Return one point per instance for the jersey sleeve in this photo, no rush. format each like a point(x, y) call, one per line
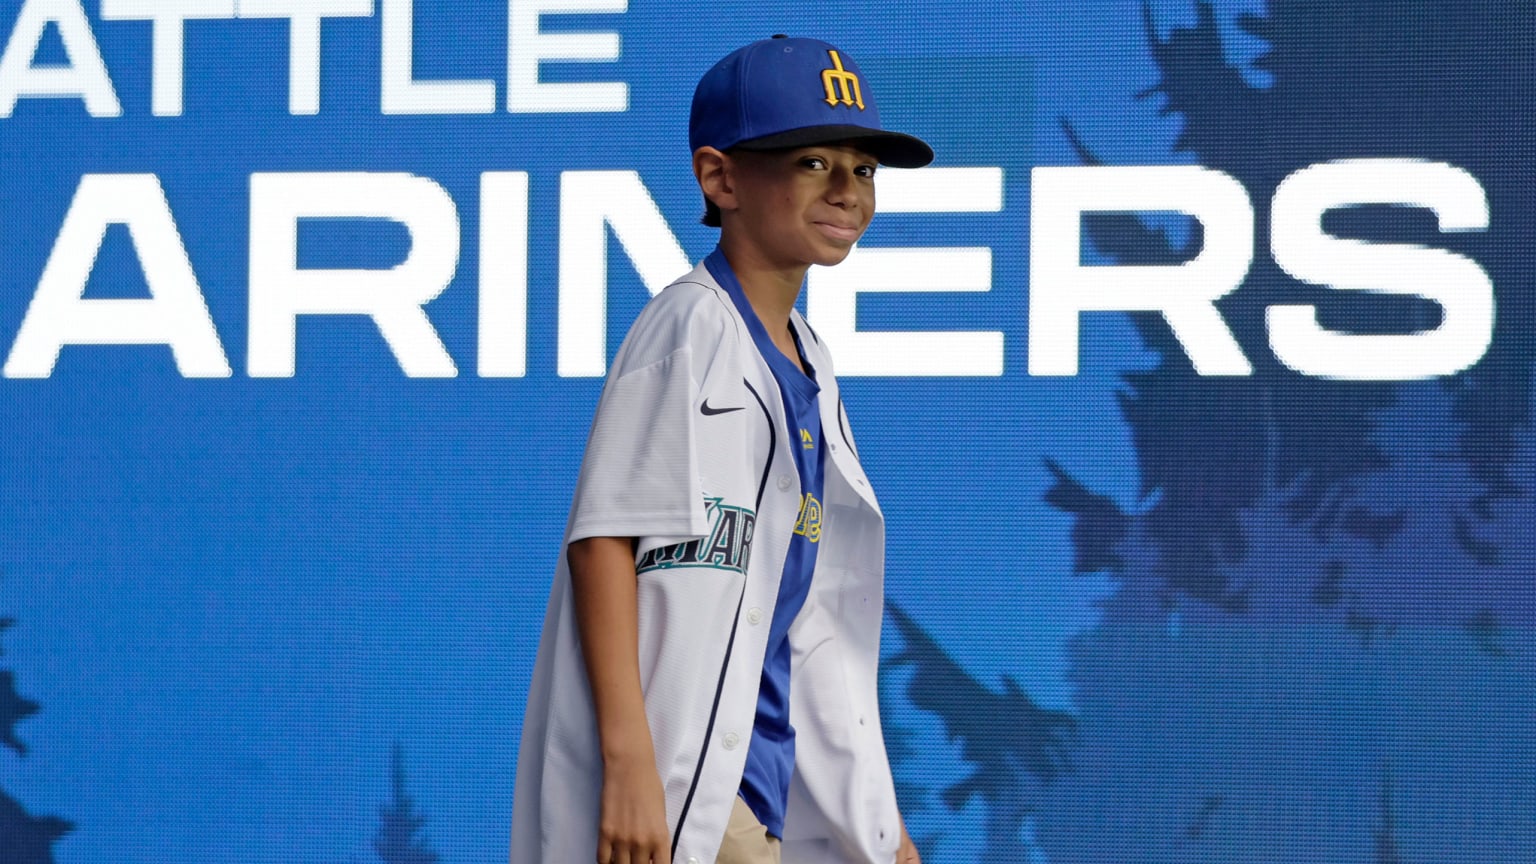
point(640, 475)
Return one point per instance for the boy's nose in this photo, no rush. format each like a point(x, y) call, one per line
point(843, 188)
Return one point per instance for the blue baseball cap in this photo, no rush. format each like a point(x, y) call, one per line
point(782, 92)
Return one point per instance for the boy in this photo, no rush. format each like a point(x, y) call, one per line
point(705, 687)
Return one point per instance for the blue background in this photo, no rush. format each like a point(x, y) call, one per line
point(1137, 615)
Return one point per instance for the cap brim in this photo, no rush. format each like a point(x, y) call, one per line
point(891, 148)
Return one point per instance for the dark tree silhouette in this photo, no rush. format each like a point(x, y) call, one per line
point(1012, 744)
point(1207, 734)
point(900, 748)
point(24, 839)
point(1350, 80)
point(1386, 835)
point(13, 708)
point(1333, 576)
point(1099, 526)
point(396, 841)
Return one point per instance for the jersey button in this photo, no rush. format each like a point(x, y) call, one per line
point(784, 482)
point(730, 740)
point(754, 615)
point(692, 860)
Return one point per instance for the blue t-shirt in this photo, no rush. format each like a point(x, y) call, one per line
point(771, 755)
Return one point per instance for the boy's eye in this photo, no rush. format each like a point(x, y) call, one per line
point(813, 162)
point(866, 170)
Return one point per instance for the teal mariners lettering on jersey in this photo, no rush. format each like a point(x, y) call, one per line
point(727, 546)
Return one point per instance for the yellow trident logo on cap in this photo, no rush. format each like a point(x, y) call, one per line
point(839, 80)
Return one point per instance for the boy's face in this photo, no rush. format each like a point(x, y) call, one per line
point(806, 205)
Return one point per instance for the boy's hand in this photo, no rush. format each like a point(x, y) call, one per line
point(906, 853)
point(633, 826)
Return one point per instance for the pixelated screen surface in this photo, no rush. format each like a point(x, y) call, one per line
point(1193, 377)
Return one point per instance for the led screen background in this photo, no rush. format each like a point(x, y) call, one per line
point(1138, 613)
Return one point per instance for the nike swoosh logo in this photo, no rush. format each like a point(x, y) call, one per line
point(710, 412)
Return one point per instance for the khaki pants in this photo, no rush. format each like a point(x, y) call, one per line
point(746, 840)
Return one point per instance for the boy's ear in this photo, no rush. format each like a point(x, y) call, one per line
point(714, 171)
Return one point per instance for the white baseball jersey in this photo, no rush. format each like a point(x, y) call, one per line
point(688, 451)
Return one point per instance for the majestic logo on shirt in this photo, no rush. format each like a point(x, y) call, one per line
point(809, 523)
point(807, 440)
point(841, 85)
point(726, 547)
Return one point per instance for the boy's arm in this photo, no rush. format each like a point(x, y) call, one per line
point(633, 825)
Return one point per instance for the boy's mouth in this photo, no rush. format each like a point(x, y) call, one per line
point(838, 232)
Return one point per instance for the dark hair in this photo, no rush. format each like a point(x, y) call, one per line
point(711, 214)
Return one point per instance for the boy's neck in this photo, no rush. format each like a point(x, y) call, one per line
point(771, 290)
